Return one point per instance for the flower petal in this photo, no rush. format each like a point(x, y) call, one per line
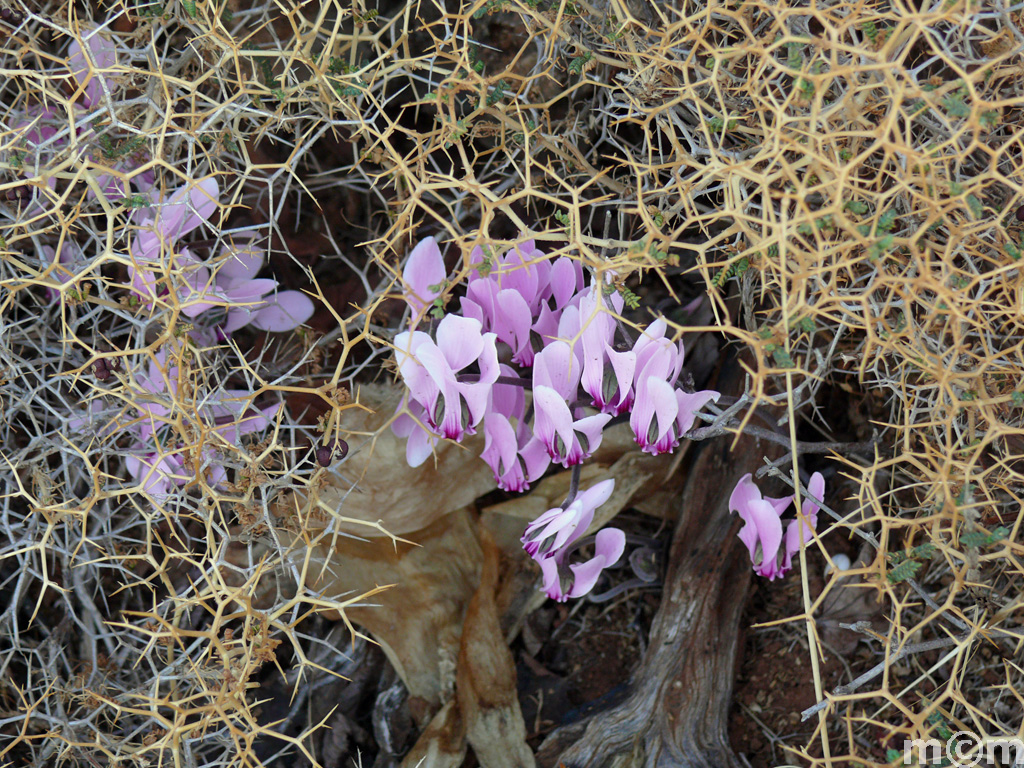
point(187, 208)
point(609, 545)
point(284, 312)
point(424, 274)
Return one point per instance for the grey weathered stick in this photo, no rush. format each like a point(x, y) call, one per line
point(677, 710)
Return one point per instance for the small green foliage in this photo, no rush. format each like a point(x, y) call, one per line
point(806, 324)
point(190, 7)
point(123, 148)
point(733, 269)
point(563, 218)
point(821, 223)
point(718, 125)
point(650, 248)
point(905, 570)
point(964, 495)
point(923, 551)
point(577, 65)
point(955, 104)
point(782, 358)
point(520, 137)
point(487, 263)
point(794, 59)
point(497, 93)
point(990, 118)
point(137, 201)
point(982, 539)
point(870, 31)
point(629, 298)
point(149, 10)
point(887, 220)
point(491, 6)
point(892, 755)
point(1017, 398)
point(459, 130)
point(977, 209)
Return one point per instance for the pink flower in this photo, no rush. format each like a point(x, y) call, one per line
point(69, 254)
point(454, 408)
point(576, 580)
point(607, 374)
point(185, 210)
point(235, 298)
point(220, 303)
point(661, 413)
point(88, 65)
point(515, 456)
point(420, 442)
point(549, 540)
point(809, 510)
point(157, 462)
point(512, 296)
point(568, 440)
point(762, 530)
point(558, 528)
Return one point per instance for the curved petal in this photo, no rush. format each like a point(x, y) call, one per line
point(817, 489)
point(535, 459)
point(689, 404)
point(552, 420)
point(653, 416)
point(512, 325)
point(609, 544)
point(284, 312)
point(588, 433)
point(188, 208)
point(424, 274)
point(566, 279)
point(762, 535)
point(460, 340)
point(103, 54)
point(556, 367)
point(242, 263)
point(500, 447)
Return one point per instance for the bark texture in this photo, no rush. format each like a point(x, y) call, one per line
point(676, 715)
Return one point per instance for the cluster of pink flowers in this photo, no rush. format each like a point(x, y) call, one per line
point(159, 462)
point(771, 548)
point(218, 303)
point(558, 336)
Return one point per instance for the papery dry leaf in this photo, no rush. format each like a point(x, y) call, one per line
point(375, 483)
point(442, 744)
point(486, 683)
point(418, 620)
